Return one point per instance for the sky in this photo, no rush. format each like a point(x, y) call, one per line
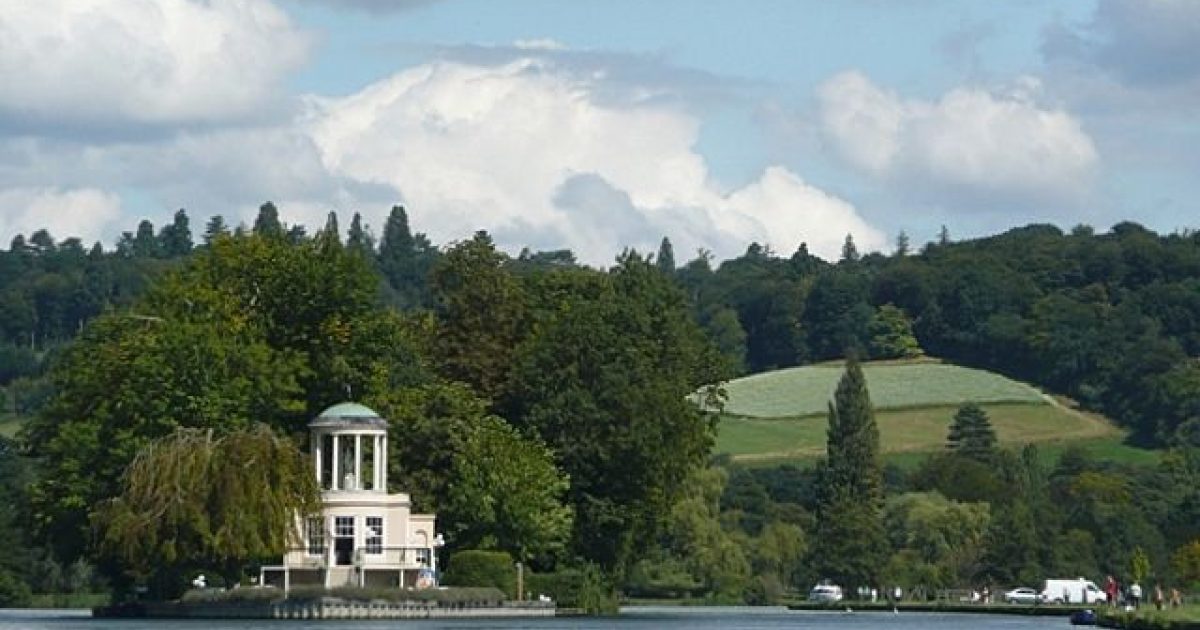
point(597, 125)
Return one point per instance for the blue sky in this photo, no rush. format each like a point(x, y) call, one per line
point(597, 125)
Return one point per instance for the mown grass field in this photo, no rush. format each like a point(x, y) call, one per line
point(780, 417)
point(803, 391)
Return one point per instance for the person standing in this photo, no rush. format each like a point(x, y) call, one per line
point(1110, 590)
point(1158, 596)
point(1135, 594)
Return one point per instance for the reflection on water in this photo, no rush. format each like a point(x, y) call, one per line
point(639, 618)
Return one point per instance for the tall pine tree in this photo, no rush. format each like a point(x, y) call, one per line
point(176, 238)
point(666, 256)
point(267, 222)
point(405, 260)
point(359, 239)
point(851, 545)
point(215, 228)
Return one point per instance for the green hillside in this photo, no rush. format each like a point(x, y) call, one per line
point(780, 416)
point(803, 391)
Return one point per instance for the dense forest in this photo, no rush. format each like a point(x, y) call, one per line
point(579, 378)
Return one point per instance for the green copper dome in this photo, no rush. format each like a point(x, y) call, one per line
point(348, 413)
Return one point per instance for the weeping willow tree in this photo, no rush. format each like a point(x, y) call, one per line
point(196, 499)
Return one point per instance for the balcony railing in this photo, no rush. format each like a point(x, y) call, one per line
point(404, 557)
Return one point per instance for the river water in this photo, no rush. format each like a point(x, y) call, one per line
point(640, 618)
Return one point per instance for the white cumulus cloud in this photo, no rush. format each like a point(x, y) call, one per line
point(144, 61)
point(82, 212)
point(527, 150)
point(969, 139)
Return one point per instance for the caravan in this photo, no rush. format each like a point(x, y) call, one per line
point(1076, 591)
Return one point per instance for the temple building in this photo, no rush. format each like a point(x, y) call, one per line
point(364, 535)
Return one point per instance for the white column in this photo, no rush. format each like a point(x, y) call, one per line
point(333, 483)
point(318, 439)
point(383, 467)
point(358, 484)
point(377, 453)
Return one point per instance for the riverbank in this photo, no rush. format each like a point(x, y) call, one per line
point(338, 603)
point(326, 608)
point(1185, 618)
point(53, 601)
point(941, 607)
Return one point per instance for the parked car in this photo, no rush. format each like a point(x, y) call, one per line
point(825, 593)
point(1022, 595)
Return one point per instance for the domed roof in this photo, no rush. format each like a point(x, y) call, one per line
point(348, 414)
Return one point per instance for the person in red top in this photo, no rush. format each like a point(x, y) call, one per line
point(1111, 589)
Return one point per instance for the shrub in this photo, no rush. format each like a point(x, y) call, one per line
point(585, 589)
point(258, 594)
point(764, 590)
point(14, 593)
point(482, 568)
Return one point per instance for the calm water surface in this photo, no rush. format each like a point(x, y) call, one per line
point(641, 618)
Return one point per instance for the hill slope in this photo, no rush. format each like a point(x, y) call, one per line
point(781, 415)
point(804, 391)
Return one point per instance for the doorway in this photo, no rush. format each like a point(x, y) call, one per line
point(343, 540)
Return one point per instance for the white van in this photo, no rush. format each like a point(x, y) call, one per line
point(1076, 591)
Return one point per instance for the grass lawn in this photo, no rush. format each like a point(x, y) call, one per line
point(9, 424)
point(804, 391)
point(907, 435)
point(1187, 616)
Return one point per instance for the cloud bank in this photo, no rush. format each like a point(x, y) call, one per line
point(144, 61)
point(82, 212)
point(970, 139)
point(180, 103)
point(526, 147)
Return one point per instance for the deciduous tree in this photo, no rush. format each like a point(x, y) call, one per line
point(201, 499)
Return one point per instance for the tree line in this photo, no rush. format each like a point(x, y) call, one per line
point(577, 380)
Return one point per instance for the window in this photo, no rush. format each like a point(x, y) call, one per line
point(343, 526)
point(423, 557)
point(315, 535)
point(374, 541)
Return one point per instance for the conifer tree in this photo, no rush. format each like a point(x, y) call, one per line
point(971, 433)
point(849, 250)
point(215, 227)
point(666, 257)
point(853, 438)
point(359, 239)
point(405, 260)
point(850, 511)
point(176, 238)
point(902, 244)
point(330, 237)
point(267, 223)
point(145, 244)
